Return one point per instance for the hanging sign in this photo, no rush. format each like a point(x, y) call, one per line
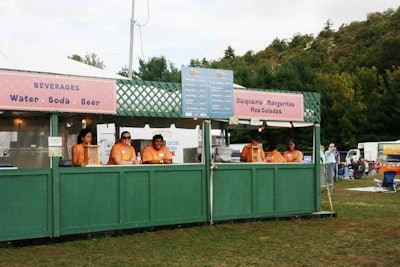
point(207, 93)
point(268, 105)
point(45, 92)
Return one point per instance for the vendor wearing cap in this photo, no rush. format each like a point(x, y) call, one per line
point(246, 154)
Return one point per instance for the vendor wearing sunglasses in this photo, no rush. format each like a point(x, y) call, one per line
point(122, 153)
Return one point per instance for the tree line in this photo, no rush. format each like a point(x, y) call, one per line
point(356, 69)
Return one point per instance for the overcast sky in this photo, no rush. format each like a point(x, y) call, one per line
point(180, 30)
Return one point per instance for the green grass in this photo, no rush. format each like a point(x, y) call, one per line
point(366, 232)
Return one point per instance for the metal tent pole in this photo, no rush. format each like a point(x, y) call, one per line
point(131, 40)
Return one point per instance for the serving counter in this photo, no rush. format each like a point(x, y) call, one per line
point(43, 202)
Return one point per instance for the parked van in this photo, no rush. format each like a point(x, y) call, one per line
point(355, 154)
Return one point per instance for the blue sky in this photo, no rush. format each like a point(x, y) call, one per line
point(177, 29)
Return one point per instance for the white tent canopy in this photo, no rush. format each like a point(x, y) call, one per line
point(51, 64)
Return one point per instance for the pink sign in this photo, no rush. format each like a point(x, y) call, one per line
point(268, 105)
point(45, 92)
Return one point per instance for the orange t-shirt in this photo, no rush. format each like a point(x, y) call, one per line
point(121, 152)
point(149, 153)
point(293, 156)
point(275, 156)
point(245, 152)
point(79, 154)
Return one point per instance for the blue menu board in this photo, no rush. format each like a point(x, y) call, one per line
point(207, 93)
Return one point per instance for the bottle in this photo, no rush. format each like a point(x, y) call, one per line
point(139, 157)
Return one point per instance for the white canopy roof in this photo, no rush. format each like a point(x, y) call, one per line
point(52, 64)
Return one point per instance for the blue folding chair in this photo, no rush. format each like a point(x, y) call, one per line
point(348, 173)
point(388, 183)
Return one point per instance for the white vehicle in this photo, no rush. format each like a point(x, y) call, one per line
point(355, 154)
point(368, 150)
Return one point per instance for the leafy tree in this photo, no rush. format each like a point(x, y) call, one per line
point(327, 31)
point(390, 106)
point(89, 59)
point(373, 90)
point(263, 76)
point(343, 109)
point(158, 69)
point(243, 76)
point(389, 53)
point(279, 45)
point(200, 63)
point(125, 72)
point(300, 41)
point(76, 57)
point(287, 78)
point(229, 53)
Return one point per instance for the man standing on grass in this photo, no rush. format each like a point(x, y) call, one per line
point(336, 153)
point(330, 162)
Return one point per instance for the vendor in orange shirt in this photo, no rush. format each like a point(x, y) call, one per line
point(123, 153)
point(293, 154)
point(156, 153)
point(84, 139)
point(273, 155)
point(255, 141)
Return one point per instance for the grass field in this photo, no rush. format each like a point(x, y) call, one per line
point(366, 232)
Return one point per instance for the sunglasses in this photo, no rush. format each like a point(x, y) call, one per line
point(126, 137)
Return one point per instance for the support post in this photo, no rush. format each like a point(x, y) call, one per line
point(56, 180)
point(209, 167)
point(131, 40)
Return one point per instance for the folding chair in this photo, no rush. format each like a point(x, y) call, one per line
point(388, 183)
point(348, 173)
point(351, 174)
